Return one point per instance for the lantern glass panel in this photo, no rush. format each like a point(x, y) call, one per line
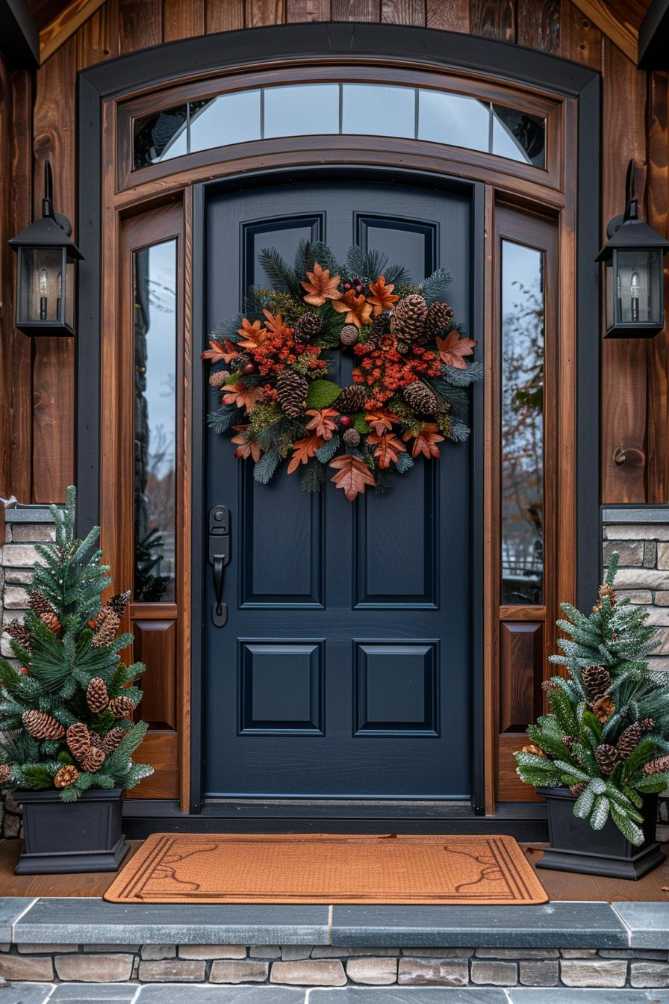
point(635, 287)
point(45, 287)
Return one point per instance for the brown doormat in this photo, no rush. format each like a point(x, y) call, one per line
point(326, 868)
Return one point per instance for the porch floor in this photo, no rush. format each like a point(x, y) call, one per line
point(560, 886)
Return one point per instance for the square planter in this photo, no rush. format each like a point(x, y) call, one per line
point(576, 847)
point(81, 836)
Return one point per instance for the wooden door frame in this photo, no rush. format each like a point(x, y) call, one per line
point(101, 205)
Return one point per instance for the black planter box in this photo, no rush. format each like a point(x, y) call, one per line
point(81, 836)
point(576, 847)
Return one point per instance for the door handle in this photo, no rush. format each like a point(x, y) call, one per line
point(219, 557)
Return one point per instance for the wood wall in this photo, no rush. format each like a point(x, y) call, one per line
point(37, 119)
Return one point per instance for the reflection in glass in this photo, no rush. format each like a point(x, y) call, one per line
point(160, 136)
point(229, 118)
point(454, 119)
point(522, 424)
point(155, 337)
point(518, 136)
point(304, 108)
point(377, 110)
point(638, 286)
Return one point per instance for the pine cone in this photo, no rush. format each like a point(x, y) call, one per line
point(292, 389)
point(5, 773)
point(607, 758)
point(533, 749)
point(42, 725)
point(308, 326)
point(66, 776)
point(596, 680)
point(351, 399)
point(106, 626)
point(657, 766)
point(568, 741)
point(380, 327)
point(577, 789)
point(119, 602)
point(51, 621)
point(351, 437)
point(122, 707)
point(421, 398)
point(647, 724)
point(113, 739)
point(607, 592)
point(38, 603)
point(93, 760)
point(348, 335)
point(408, 320)
point(438, 319)
point(241, 360)
point(78, 740)
point(218, 378)
point(629, 739)
point(97, 696)
point(20, 633)
point(603, 708)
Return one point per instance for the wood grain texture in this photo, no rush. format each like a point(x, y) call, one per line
point(356, 10)
point(580, 38)
point(494, 19)
point(156, 646)
point(97, 39)
point(521, 656)
point(624, 361)
point(539, 25)
point(509, 786)
point(403, 12)
point(140, 24)
point(448, 15)
point(259, 13)
point(224, 15)
point(657, 199)
point(183, 20)
point(298, 11)
point(619, 32)
point(64, 26)
point(160, 749)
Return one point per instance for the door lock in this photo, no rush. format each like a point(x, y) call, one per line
point(219, 557)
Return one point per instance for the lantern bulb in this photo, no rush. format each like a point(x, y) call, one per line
point(634, 296)
point(43, 282)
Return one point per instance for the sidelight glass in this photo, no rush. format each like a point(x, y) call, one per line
point(522, 453)
point(155, 355)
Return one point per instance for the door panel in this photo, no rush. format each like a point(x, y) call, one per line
point(345, 666)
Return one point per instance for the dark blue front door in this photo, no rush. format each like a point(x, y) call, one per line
point(345, 666)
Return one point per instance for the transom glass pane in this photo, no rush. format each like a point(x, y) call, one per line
point(304, 108)
point(518, 136)
point(161, 136)
point(155, 341)
point(226, 119)
point(523, 308)
point(377, 110)
point(454, 119)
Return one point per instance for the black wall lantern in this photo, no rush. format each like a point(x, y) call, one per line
point(633, 256)
point(45, 278)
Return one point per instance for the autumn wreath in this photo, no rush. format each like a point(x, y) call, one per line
point(272, 368)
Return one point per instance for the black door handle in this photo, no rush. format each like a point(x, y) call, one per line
point(219, 557)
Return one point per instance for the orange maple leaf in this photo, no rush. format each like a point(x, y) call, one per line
point(324, 422)
point(382, 297)
point(453, 348)
point(321, 286)
point(276, 325)
point(251, 335)
point(241, 396)
point(426, 441)
point(245, 446)
point(388, 448)
point(220, 353)
point(357, 310)
point(353, 475)
point(303, 451)
point(380, 421)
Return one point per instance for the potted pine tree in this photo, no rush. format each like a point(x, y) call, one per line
point(67, 734)
point(601, 756)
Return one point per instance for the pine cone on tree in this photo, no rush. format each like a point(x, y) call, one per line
point(113, 739)
point(292, 389)
point(607, 758)
point(106, 626)
point(421, 398)
point(380, 327)
point(308, 327)
point(93, 760)
point(20, 633)
point(438, 319)
point(533, 749)
point(122, 707)
point(348, 335)
point(351, 438)
point(647, 724)
point(603, 708)
point(577, 789)
point(596, 680)
point(42, 725)
point(97, 695)
point(218, 378)
point(657, 766)
point(119, 602)
point(51, 621)
point(39, 603)
point(5, 773)
point(351, 399)
point(66, 776)
point(408, 320)
point(78, 740)
point(629, 739)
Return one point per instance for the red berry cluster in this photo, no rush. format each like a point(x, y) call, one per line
point(279, 350)
point(386, 371)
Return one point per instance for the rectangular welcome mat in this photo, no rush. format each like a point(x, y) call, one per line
point(326, 868)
